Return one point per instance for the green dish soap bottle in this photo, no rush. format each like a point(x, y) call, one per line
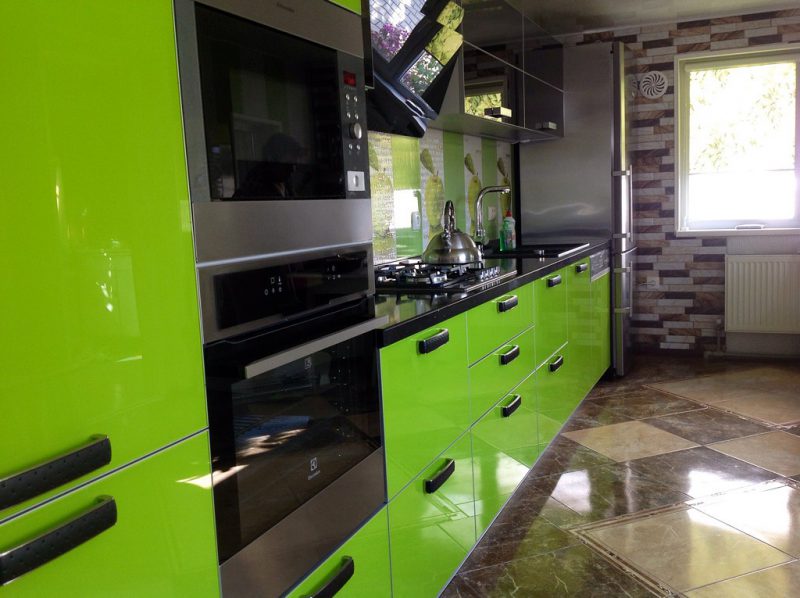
point(508, 234)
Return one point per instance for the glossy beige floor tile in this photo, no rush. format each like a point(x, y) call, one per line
point(773, 407)
point(629, 440)
point(775, 451)
point(776, 582)
point(687, 549)
point(771, 515)
point(710, 389)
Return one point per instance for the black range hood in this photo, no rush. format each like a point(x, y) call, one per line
point(413, 54)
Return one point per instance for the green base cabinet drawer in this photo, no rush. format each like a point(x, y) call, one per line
point(556, 395)
point(366, 553)
point(499, 372)
point(425, 398)
point(601, 311)
point(493, 323)
point(430, 533)
point(162, 543)
point(550, 301)
point(504, 448)
point(580, 318)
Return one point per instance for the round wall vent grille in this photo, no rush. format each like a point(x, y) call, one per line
point(653, 85)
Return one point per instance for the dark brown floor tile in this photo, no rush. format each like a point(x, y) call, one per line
point(459, 588)
point(796, 478)
point(565, 455)
point(574, 571)
point(590, 414)
point(707, 425)
point(795, 430)
point(699, 471)
point(646, 403)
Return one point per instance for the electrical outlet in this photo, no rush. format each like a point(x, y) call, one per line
point(653, 282)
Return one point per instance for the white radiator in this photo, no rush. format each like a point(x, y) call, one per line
point(762, 293)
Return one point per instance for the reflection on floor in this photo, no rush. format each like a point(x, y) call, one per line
point(681, 479)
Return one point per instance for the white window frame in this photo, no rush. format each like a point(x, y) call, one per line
point(684, 64)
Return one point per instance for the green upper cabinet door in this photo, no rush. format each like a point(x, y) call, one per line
point(601, 339)
point(494, 322)
point(153, 533)
point(425, 398)
point(550, 301)
point(100, 323)
point(354, 5)
point(581, 325)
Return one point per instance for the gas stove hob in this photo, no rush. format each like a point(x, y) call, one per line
point(414, 276)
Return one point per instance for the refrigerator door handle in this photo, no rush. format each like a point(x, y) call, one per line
point(627, 236)
point(623, 270)
point(622, 310)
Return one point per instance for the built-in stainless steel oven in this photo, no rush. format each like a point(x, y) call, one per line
point(274, 118)
point(294, 412)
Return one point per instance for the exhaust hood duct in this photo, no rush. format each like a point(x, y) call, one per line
point(413, 56)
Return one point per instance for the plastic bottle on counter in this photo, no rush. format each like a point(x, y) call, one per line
point(508, 234)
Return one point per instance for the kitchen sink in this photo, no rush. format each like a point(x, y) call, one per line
point(538, 251)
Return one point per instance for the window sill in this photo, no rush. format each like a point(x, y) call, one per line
point(730, 232)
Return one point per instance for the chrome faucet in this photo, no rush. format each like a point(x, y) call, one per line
point(480, 232)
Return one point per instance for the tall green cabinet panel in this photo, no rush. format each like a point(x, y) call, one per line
point(580, 326)
point(162, 543)
point(99, 302)
point(601, 308)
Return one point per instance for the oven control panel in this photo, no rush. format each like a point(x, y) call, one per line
point(354, 126)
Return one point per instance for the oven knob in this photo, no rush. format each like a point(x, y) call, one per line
point(355, 131)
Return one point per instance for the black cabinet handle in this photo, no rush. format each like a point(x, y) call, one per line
point(437, 340)
point(338, 580)
point(510, 355)
point(553, 281)
point(16, 562)
point(433, 484)
point(507, 410)
point(19, 487)
point(507, 304)
point(559, 361)
point(581, 268)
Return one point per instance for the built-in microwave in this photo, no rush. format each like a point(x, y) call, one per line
point(275, 124)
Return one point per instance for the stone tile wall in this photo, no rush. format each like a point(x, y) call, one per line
point(687, 307)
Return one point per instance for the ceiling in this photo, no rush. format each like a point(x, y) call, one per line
point(577, 16)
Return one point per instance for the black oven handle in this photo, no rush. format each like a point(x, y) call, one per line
point(262, 366)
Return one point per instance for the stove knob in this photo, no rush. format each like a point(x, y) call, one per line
point(356, 132)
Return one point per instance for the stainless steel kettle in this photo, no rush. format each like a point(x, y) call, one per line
point(451, 246)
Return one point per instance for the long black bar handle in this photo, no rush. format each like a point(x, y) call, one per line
point(507, 304)
point(432, 343)
point(16, 562)
point(580, 268)
point(433, 484)
point(553, 281)
point(509, 409)
point(509, 355)
point(557, 363)
point(41, 478)
point(338, 580)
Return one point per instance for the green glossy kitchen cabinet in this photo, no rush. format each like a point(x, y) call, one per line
point(491, 324)
point(557, 398)
point(354, 5)
point(500, 371)
point(550, 301)
point(160, 542)
point(504, 448)
point(432, 529)
point(601, 320)
point(100, 307)
point(581, 325)
point(366, 553)
point(425, 398)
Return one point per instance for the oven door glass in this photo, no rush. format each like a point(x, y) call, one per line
point(271, 112)
point(281, 436)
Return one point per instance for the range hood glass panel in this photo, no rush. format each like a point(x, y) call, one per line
point(391, 26)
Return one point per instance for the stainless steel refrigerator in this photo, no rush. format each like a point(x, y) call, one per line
point(580, 187)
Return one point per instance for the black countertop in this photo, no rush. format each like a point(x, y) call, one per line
point(410, 313)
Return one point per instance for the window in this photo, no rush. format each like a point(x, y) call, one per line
point(738, 167)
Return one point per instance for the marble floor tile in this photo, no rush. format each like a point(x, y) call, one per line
point(646, 402)
point(700, 471)
point(590, 414)
point(775, 582)
point(795, 430)
point(771, 515)
point(711, 389)
point(563, 455)
point(574, 571)
point(629, 440)
point(775, 451)
point(773, 407)
point(459, 588)
point(705, 426)
point(687, 549)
